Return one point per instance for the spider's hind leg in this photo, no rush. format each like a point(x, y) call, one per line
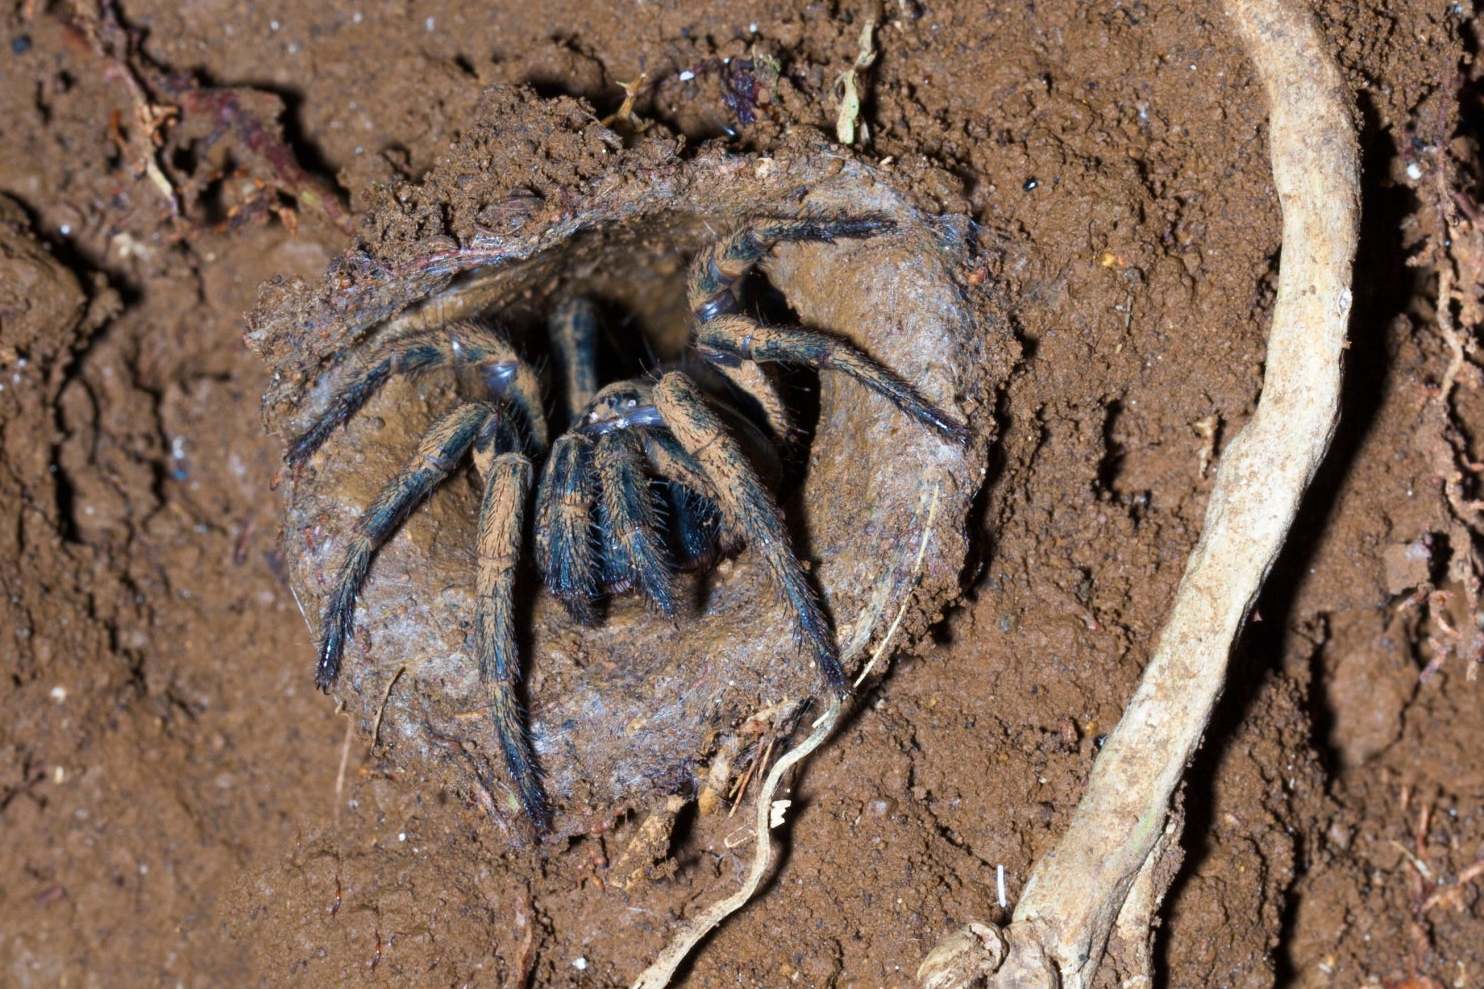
point(717, 271)
point(732, 341)
point(439, 452)
point(731, 338)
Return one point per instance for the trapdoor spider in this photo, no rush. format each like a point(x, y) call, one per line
point(648, 478)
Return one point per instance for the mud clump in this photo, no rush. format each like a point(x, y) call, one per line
point(626, 712)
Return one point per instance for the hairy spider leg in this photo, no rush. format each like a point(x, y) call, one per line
point(715, 280)
point(733, 338)
point(633, 551)
point(507, 485)
point(749, 509)
point(696, 526)
point(758, 384)
point(717, 271)
point(565, 552)
point(438, 454)
point(501, 370)
point(671, 461)
point(574, 337)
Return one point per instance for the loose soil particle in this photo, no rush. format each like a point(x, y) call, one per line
point(171, 788)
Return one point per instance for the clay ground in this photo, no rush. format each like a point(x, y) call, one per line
point(180, 807)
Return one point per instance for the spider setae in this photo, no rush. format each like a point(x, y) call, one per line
point(649, 477)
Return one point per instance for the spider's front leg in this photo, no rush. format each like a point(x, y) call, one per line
point(507, 485)
point(440, 451)
point(564, 526)
point(748, 509)
point(497, 440)
point(633, 552)
point(727, 338)
point(501, 370)
point(598, 469)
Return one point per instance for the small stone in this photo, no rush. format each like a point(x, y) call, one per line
point(1407, 565)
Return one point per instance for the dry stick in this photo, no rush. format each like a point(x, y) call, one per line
point(658, 975)
point(769, 811)
point(1118, 832)
point(350, 724)
point(386, 695)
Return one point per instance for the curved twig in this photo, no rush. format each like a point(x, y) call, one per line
point(770, 811)
point(658, 975)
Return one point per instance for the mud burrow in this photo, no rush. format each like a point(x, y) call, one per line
point(628, 711)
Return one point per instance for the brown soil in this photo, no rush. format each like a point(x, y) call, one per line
point(181, 807)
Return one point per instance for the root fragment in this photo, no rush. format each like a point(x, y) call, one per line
point(771, 811)
point(625, 114)
point(173, 113)
point(649, 846)
point(1114, 863)
point(659, 974)
point(1456, 252)
point(848, 125)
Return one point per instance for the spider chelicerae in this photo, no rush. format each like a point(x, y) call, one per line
point(650, 477)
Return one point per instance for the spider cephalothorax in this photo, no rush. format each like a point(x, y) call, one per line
point(648, 478)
